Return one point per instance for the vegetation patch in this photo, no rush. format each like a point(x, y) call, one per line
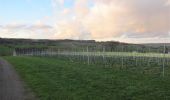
point(5, 51)
point(55, 79)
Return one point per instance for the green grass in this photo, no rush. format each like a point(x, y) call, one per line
point(54, 79)
point(5, 51)
point(119, 54)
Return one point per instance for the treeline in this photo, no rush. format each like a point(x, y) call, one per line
point(8, 45)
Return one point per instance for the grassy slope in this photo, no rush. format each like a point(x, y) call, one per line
point(53, 79)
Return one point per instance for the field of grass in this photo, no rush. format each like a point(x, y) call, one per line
point(110, 54)
point(106, 54)
point(5, 51)
point(55, 79)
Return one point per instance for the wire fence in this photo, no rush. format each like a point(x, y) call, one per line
point(144, 62)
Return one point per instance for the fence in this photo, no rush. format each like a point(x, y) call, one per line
point(148, 62)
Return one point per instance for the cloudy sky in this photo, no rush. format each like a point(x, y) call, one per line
point(134, 21)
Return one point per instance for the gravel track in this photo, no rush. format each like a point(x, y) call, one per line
point(11, 86)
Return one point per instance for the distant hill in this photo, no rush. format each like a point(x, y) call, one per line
point(7, 44)
point(157, 44)
point(58, 43)
point(24, 43)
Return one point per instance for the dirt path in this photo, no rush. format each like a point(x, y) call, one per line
point(11, 87)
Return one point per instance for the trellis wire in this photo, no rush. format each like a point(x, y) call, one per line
point(124, 58)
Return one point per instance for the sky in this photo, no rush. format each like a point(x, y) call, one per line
point(133, 21)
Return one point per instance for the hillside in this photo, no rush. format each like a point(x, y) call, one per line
point(8, 45)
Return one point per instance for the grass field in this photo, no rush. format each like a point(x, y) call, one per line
point(5, 51)
point(55, 79)
point(106, 54)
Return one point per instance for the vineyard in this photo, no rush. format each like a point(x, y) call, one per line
point(147, 62)
point(92, 71)
point(53, 78)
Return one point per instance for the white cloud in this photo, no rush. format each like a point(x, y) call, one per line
point(99, 20)
point(115, 18)
point(16, 30)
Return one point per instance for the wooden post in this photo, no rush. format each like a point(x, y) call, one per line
point(88, 59)
point(122, 57)
point(104, 55)
point(163, 66)
point(14, 52)
point(136, 58)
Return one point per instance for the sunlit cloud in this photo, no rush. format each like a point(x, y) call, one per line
point(120, 20)
point(16, 30)
point(114, 18)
